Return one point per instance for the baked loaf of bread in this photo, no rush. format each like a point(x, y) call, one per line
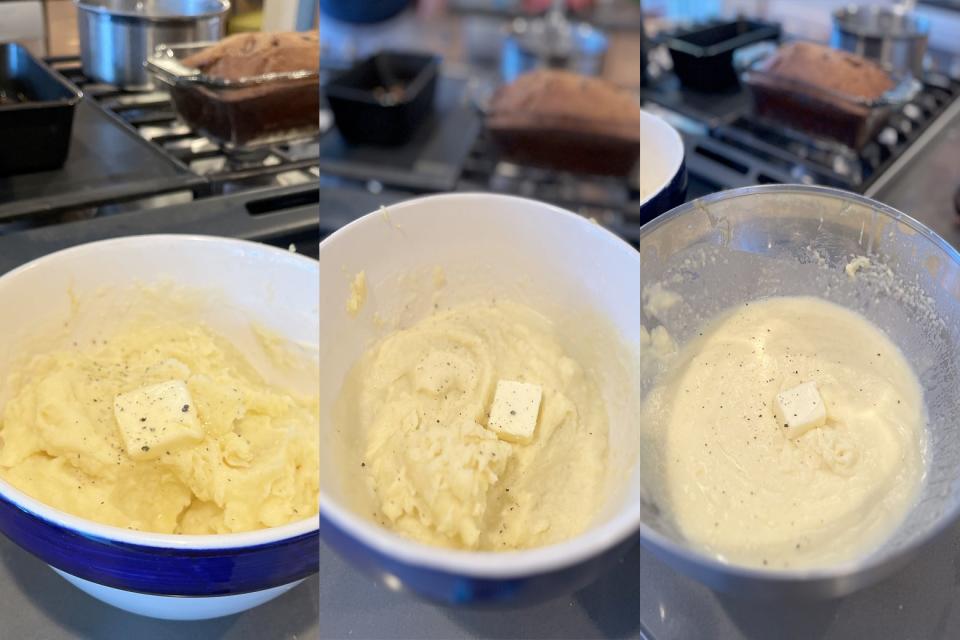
point(821, 91)
point(566, 121)
point(258, 114)
point(252, 54)
point(830, 69)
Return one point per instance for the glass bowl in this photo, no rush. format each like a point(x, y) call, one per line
point(755, 242)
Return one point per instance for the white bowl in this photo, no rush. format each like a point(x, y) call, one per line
point(581, 276)
point(170, 576)
point(663, 172)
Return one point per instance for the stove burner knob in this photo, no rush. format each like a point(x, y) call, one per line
point(840, 165)
point(888, 137)
point(903, 125)
point(872, 155)
point(913, 112)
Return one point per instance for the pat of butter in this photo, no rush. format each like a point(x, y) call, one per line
point(157, 419)
point(516, 406)
point(800, 409)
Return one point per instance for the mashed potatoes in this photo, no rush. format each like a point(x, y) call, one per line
point(251, 463)
point(733, 473)
point(436, 469)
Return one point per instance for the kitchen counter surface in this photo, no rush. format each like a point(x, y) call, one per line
point(925, 188)
point(643, 598)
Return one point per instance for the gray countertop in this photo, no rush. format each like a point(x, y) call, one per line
point(643, 598)
point(37, 604)
point(925, 189)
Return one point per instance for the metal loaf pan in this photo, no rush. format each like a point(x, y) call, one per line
point(813, 110)
point(36, 114)
point(384, 99)
point(239, 114)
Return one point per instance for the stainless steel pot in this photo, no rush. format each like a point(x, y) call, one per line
point(893, 36)
point(117, 36)
point(552, 41)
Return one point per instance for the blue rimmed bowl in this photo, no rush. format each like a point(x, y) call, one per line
point(180, 577)
point(663, 171)
point(552, 260)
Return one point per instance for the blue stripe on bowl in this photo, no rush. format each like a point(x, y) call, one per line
point(451, 588)
point(159, 570)
point(674, 194)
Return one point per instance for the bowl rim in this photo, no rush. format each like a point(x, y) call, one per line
point(873, 561)
point(211, 9)
point(590, 543)
point(647, 119)
point(369, 218)
point(96, 530)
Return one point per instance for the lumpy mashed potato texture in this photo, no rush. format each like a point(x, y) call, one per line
point(241, 455)
point(437, 471)
point(738, 477)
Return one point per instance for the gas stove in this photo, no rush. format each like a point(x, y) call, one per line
point(452, 153)
point(135, 168)
point(614, 202)
point(152, 116)
point(728, 147)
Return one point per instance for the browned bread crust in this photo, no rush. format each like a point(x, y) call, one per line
point(252, 54)
point(562, 120)
point(561, 99)
point(825, 68)
point(239, 116)
point(821, 91)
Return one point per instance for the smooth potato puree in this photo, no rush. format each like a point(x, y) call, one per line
point(437, 471)
point(253, 465)
point(733, 479)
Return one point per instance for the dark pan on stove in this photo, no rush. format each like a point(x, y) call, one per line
point(36, 113)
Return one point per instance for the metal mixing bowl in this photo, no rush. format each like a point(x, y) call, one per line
point(749, 243)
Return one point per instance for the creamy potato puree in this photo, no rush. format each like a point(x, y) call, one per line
point(255, 465)
point(737, 485)
point(437, 473)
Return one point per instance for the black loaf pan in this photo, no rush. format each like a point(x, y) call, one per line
point(703, 54)
point(36, 113)
point(364, 109)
